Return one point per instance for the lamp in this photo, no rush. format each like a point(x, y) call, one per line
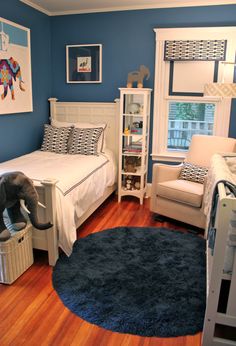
point(221, 89)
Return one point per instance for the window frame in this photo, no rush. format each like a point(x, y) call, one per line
point(161, 89)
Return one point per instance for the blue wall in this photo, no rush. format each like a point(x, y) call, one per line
point(22, 132)
point(128, 41)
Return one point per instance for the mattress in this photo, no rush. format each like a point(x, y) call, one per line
point(81, 180)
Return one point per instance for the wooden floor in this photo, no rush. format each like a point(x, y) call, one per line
point(32, 314)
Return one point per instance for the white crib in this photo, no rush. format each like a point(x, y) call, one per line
point(220, 318)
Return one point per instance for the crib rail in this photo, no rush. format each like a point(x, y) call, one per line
point(220, 322)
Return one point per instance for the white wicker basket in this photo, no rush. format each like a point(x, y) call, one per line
point(16, 255)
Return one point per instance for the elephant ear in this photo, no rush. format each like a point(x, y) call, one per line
point(2, 191)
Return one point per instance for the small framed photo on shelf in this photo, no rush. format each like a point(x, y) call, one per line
point(84, 63)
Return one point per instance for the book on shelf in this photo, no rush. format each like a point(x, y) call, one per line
point(133, 146)
point(131, 149)
point(136, 131)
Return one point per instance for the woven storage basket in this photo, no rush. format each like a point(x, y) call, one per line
point(16, 255)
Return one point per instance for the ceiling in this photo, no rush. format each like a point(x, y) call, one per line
point(63, 7)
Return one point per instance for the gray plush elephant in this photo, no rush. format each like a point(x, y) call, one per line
point(16, 191)
point(138, 76)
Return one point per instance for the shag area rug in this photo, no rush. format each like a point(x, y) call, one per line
point(143, 281)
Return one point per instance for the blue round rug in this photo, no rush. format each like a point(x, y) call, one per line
point(143, 281)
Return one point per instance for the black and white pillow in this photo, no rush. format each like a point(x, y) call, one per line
point(102, 141)
point(193, 173)
point(85, 141)
point(55, 139)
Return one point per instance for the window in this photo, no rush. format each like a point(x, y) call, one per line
point(187, 59)
point(186, 119)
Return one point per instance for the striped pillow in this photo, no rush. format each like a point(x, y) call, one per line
point(55, 139)
point(85, 141)
point(193, 173)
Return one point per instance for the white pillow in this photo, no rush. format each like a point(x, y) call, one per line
point(57, 123)
point(101, 142)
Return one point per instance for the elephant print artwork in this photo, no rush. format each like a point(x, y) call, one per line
point(15, 68)
point(9, 70)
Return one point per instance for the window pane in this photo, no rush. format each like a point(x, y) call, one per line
point(186, 119)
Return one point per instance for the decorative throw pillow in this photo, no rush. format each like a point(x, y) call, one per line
point(55, 139)
point(85, 141)
point(101, 142)
point(193, 173)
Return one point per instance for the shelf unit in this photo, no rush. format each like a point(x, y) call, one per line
point(133, 142)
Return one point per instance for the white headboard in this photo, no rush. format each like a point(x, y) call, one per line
point(95, 112)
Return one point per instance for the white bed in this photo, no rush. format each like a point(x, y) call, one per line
point(71, 186)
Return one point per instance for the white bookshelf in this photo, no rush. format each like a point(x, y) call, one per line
point(133, 142)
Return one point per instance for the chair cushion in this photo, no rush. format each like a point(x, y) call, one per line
point(183, 191)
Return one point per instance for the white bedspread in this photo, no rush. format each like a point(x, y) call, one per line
point(219, 170)
point(81, 181)
point(223, 167)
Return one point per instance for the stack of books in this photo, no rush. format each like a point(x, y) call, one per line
point(134, 147)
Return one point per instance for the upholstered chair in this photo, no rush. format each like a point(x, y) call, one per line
point(181, 199)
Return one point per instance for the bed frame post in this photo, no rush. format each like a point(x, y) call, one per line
point(52, 101)
point(50, 213)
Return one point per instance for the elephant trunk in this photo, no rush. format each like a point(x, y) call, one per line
point(33, 216)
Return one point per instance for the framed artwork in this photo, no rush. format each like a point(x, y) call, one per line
point(15, 68)
point(84, 63)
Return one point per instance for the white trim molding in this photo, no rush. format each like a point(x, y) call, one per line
point(50, 7)
point(36, 7)
point(161, 87)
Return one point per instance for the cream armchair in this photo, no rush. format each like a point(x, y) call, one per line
point(181, 199)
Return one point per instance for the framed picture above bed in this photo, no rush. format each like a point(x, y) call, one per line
point(84, 63)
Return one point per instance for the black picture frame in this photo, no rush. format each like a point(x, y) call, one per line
point(84, 63)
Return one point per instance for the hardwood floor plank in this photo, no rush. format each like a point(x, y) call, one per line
point(33, 315)
point(65, 331)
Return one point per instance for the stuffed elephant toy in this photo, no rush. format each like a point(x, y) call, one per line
point(9, 70)
point(138, 76)
point(16, 191)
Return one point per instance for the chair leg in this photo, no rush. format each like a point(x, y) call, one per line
point(159, 218)
point(195, 230)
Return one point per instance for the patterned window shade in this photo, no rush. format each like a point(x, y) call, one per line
point(204, 50)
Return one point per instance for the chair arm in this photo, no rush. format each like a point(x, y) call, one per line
point(163, 172)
